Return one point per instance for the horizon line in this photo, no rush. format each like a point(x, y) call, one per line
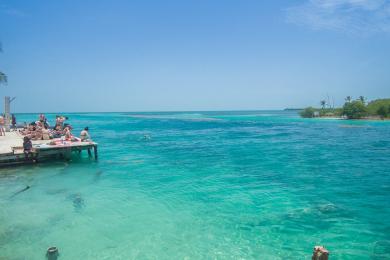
point(155, 111)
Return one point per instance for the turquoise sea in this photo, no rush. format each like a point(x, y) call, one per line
point(205, 185)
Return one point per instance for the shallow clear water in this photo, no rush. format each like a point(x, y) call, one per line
point(207, 185)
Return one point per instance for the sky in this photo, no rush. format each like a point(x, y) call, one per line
point(172, 55)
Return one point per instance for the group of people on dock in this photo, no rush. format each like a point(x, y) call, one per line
point(41, 130)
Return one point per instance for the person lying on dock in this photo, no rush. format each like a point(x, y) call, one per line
point(30, 130)
point(35, 131)
point(27, 147)
point(84, 135)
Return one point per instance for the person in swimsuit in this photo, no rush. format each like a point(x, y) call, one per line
point(45, 133)
point(13, 122)
point(42, 118)
point(2, 130)
point(27, 147)
point(60, 120)
point(84, 135)
point(68, 133)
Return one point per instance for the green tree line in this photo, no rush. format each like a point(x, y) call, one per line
point(352, 109)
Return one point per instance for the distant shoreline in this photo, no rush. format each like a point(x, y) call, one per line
point(359, 109)
point(293, 109)
point(350, 119)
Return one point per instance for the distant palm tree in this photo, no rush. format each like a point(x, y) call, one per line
point(363, 99)
point(323, 103)
point(348, 99)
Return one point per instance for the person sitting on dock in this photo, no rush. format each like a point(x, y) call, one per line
point(38, 124)
point(68, 134)
point(84, 135)
point(37, 135)
point(27, 147)
point(57, 131)
point(29, 129)
point(46, 135)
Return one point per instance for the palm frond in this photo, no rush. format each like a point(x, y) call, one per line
point(3, 78)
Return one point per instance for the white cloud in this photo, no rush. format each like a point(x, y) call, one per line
point(353, 16)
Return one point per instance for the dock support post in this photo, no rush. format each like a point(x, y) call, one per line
point(7, 112)
point(67, 154)
point(95, 151)
point(89, 152)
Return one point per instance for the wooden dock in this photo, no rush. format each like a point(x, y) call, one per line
point(11, 149)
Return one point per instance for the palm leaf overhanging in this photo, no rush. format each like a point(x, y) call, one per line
point(3, 78)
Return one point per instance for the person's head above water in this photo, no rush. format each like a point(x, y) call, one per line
point(86, 128)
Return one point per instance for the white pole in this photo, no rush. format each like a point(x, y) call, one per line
point(6, 113)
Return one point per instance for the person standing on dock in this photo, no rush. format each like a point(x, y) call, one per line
point(84, 135)
point(13, 122)
point(42, 118)
point(2, 130)
point(60, 120)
